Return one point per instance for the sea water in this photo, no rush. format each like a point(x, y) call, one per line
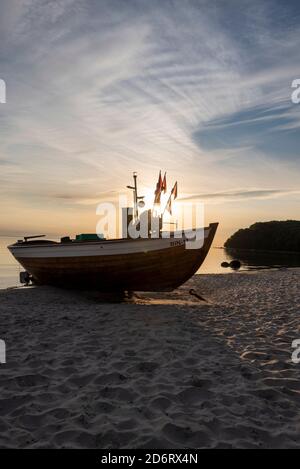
point(9, 267)
point(251, 260)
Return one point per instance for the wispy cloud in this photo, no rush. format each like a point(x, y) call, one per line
point(100, 88)
point(240, 195)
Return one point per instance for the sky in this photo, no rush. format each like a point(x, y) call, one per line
point(98, 89)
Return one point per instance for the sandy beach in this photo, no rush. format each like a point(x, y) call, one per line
point(158, 371)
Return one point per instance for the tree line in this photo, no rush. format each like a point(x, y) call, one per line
point(270, 236)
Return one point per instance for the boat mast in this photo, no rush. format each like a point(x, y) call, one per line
point(136, 198)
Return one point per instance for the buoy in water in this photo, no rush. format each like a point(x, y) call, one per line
point(235, 264)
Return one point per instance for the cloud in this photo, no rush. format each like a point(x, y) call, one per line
point(240, 195)
point(271, 131)
point(97, 89)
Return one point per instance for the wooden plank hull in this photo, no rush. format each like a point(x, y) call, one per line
point(162, 265)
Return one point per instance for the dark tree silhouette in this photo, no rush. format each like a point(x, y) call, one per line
point(270, 236)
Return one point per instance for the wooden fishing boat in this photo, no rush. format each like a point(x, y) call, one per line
point(121, 264)
point(125, 264)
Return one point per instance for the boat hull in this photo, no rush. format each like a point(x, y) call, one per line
point(133, 265)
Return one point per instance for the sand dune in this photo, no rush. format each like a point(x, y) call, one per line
point(159, 371)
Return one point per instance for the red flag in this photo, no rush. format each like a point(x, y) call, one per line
point(174, 191)
point(169, 205)
point(157, 195)
point(160, 182)
point(158, 190)
point(164, 184)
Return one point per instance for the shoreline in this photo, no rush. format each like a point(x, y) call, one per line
point(164, 370)
point(265, 251)
point(227, 271)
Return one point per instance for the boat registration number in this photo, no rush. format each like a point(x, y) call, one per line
point(180, 242)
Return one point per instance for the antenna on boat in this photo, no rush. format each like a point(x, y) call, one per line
point(136, 197)
point(26, 238)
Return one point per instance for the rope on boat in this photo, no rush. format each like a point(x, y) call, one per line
point(194, 293)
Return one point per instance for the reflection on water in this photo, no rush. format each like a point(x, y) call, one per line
point(9, 268)
point(251, 260)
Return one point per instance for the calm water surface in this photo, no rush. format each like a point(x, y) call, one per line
point(251, 260)
point(9, 268)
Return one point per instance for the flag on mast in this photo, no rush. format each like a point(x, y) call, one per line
point(164, 183)
point(174, 190)
point(160, 181)
point(174, 194)
point(158, 190)
point(169, 205)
